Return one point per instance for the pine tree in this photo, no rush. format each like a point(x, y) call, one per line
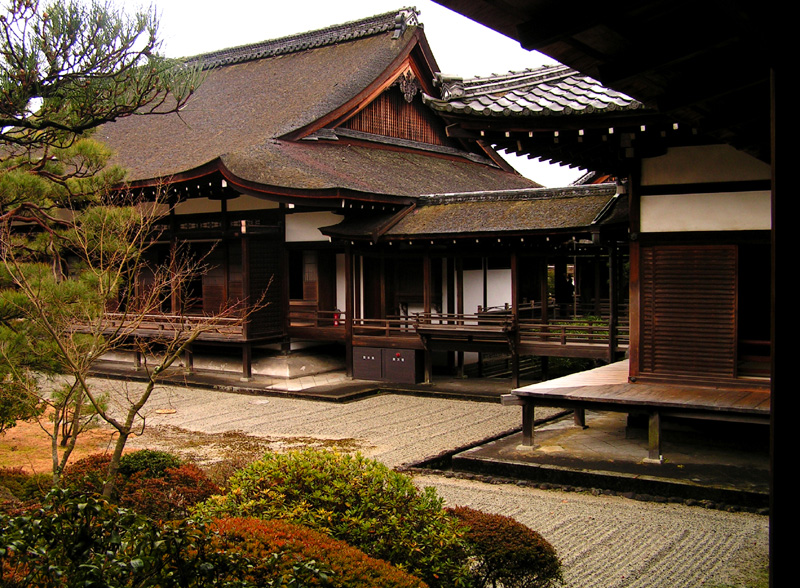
point(70, 240)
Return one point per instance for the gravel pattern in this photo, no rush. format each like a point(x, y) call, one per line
point(604, 541)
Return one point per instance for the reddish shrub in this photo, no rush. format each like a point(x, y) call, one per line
point(87, 475)
point(169, 496)
point(506, 552)
point(258, 539)
point(165, 493)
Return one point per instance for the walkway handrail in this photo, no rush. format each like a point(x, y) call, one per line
point(172, 322)
point(564, 331)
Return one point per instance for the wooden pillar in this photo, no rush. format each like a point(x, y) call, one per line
point(613, 303)
point(543, 293)
point(246, 351)
point(175, 293)
point(188, 359)
point(451, 303)
point(247, 361)
point(460, 308)
point(515, 321)
point(349, 305)
point(579, 417)
point(426, 298)
point(527, 423)
point(654, 439)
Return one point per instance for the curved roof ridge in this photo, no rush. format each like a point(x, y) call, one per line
point(396, 20)
point(521, 194)
point(547, 90)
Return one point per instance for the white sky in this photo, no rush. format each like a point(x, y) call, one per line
point(460, 46)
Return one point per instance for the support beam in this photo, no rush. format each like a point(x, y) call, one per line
point(654, 439)
point(188, 360)
point(515, 319)
point(247, 362)
point(527, 424)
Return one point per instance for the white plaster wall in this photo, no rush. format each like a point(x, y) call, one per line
point(702, 164)
point(734, 211)
point(304, 226)
point(498, 290)
point(704, 211)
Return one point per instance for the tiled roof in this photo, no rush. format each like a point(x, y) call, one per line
point(546, 91)
point(396, 21)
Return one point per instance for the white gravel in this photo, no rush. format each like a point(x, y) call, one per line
point(603, 541)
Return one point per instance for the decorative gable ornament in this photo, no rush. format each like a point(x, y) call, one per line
point(409, 85)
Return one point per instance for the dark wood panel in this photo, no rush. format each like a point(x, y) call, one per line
point(688, 316)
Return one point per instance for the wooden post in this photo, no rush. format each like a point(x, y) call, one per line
point(246, 351)
point(654, 439)
point(460, 308)
point(527, 423)
point(349, 305)
point(579, 417)
point(515, 321)
point(247, 362)
point(613, 318)
point(188, 360)
point(543, 293)
point(451, 303)
point(426, 308)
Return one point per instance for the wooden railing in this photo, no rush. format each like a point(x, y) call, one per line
point(392, 326)
point(571, 332)
point(307, 315)
point(487, 320)
point(152, 324)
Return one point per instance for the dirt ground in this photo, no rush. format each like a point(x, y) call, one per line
point(27, 445)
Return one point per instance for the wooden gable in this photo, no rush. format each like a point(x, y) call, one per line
point(399, 113)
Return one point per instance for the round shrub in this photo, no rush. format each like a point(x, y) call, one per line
point(87, 475)
point(507, 553)
point(21, 491)
point(74, 540)
point(354, 499)
point(336, 564)
point(153, 483)
point(169, 495)
point(150, 463)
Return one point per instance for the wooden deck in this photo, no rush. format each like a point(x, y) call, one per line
point(607, 388)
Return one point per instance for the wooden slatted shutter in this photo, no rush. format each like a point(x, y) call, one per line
point(688, 319)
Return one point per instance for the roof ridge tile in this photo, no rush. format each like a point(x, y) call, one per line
point(396, 20)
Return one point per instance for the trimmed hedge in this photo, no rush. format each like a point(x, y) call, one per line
point(83, 541)
point(354, 499)
point(154, 483)
point(344, 566)
point(507, 553)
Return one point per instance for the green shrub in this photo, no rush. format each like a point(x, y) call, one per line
point(149, 463)
point(507, 553)
point(77, 541)
point(25, 486)
point(354, 499)
point(343, 566)
point(21, 491)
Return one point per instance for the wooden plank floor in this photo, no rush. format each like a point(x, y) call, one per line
point(608, 386)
